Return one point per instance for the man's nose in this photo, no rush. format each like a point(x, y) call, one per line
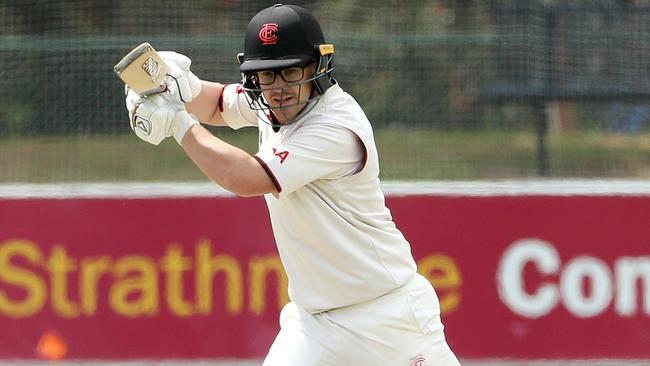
point(278, 81)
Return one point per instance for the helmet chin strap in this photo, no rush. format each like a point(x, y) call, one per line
point(308, 106)
point(270, 114)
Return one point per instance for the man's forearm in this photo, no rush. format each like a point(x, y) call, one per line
point(205, 106)
point(228, 166)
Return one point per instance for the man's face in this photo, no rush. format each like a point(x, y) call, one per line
point(284, 92)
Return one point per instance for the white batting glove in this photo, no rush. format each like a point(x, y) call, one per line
point(186, 86)
point(182, 123)
point(132, 99)
point(154, 118)
point(151, 118)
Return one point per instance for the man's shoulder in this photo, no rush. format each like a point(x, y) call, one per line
point(336, 94)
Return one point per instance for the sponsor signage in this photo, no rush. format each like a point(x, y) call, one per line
point(531, 276)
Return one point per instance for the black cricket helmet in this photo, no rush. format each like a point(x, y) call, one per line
point(280, 37)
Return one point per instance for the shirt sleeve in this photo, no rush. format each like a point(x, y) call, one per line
point(313, 152)
point(234, 107)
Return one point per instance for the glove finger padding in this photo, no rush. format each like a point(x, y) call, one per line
point(179, 88)
point(176, 59)
point(132, 101)
point(189, 85)
point(132, 98)
point(152, 121)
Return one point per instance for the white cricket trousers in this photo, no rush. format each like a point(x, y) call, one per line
point(401, 328)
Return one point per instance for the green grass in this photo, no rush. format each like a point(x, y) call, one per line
point(404, 155)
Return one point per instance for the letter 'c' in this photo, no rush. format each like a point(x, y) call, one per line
point(510, 277)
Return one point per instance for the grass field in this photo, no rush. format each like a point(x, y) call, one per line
point(404, 155)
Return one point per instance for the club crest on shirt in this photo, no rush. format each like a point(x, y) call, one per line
point(419, 360)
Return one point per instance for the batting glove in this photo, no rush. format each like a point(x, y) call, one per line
point(186, 86)
point(132, 99)
point(154, 118)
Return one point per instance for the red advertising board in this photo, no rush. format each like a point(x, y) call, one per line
point(531, 276)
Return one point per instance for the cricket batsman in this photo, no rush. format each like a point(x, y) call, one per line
point(356, 297)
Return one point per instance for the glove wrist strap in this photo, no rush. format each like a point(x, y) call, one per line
point(182, 123)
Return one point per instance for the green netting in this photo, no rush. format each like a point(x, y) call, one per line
point(455, 89)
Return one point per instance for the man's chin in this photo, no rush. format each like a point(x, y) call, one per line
point(286, 114)
point(282, 116)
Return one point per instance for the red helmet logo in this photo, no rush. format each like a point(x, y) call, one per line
point(269, 34)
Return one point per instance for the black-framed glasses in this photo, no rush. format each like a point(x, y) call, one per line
point(290, 75)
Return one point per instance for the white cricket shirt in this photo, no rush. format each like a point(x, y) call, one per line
point(335, 236)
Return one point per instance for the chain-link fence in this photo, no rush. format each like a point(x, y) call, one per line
point(455, 89)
